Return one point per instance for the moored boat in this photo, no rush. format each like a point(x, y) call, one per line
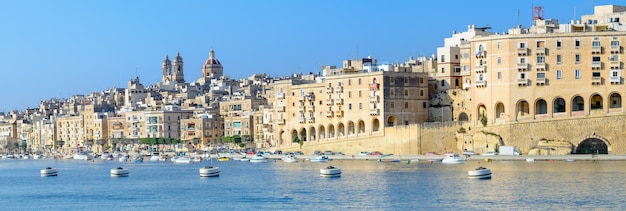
point(182, 160)
point(119, 172)
point(330, 171)
point(223, 159)
point(480, 173)
point(258, 159)
point(210, 171)
point(155, 156)
point(322, 158)
point(244, 159)
point(290, 159)
point(49, 171)
point(452, 158)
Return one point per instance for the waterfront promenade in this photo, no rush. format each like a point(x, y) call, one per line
point(477, 158)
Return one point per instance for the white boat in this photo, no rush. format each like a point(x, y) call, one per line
point(163, 158)
point(210, 171)
point(244, 159)
point(322, 158)
point(480, 173)
point(123, 159)
point(530, 160)
point(330, 171)
point(452, 158)
point(49, 171)
point(105, 155)
point(81, 156)
point(182, 160)
point(11, 156)
point(37, 156)
point(155, 156)
point(26, 157)
point(290, 159)
point(119, 172)
point(258, 159)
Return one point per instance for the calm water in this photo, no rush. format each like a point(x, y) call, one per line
point(364, 185)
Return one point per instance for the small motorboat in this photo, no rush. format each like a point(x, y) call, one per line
point(49, 171)
point(155, 156)
point(389, 160)
point(197, 159)
point(258, 159)
point(480, 173)
point(123, 159)
point(290, 159)
point(138, 159)
point(223, 159)
point(452, 158)
point(119, 172)
point(330, 171)
point(322, 158)
point(163, 158)
point(244, 159)
point(182, 160)
point(530, 160)
point(210, 171)
point(37, 156)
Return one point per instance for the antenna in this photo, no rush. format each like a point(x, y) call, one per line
point(537, 13)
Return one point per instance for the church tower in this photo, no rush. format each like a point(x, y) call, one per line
point(212, 68)
point(167, 69)
point(178, 76)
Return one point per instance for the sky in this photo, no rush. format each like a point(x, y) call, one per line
point(56, 49)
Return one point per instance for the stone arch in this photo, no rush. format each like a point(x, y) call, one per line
point(361, 127)
point(391, 121)
point(578, 103)
point(595, 102)
point(463, 117)
point(302, 134)
point(615, 100)
point(559, 105)
point(331, 131)
point(522, 109)
point(499, 110)
point(480, 111)
point(593, 144)
point(312, 134)
point(321, 132)
point(281, 137)
point(350, 128)
point(375, 125)
point(541, 107)
point(341, 130)
point(294, 134)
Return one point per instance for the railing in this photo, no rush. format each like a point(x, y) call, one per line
point(540, 51)
point(280, 95)
point(522, 51)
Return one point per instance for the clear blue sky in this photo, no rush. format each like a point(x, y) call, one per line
point(61, 48)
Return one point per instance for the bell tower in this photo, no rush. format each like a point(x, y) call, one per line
point(178, 76)
point(167, 69)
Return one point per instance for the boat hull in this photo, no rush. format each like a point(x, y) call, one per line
point(119, 172)
point(480, 173)
point(210, 171)
point(47, 172)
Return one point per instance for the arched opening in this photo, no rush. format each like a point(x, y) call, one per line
point(350, 128)
point(596, 102)
point(331, 131)
point(375, 125)
point(312, 134)
point(559, 105)
point(463, 117)
point(391, 121)
point(592, 146)
point(523, 109)
point(361, 127)
point(281, 137)
point(481, 114)
point(322, 133)
point(294, 136)
point(341, 130)
point(578, 104)
point(615, 100)
point(499, 110)
point(302, 134)
point(541, 107)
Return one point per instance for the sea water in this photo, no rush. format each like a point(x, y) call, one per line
point(275, 185)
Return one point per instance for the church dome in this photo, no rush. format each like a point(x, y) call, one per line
point(212, 60)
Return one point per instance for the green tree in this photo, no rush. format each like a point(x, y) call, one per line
point(483, 119)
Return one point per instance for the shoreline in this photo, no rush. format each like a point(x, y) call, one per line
point(582, 157)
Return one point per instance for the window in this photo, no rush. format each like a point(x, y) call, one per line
point(614, 74)
point(595, 44)
point(406, 92)
point(558, 44)
point(577, 43)
point(360, 95)
point(423, 104)
point(406, 104)
point(558, 74)
point(406, 80)
point(577, 58)
point(443, 70)
point(465, 67)
point(339, 83)
point(595, 59)
point(392, 105)
point(349, 106)
point(443, 58)
point(522, 60)
point(541, 75)
point(499, 75)
point(499, 60)
point(614, 44)
point(595, 74)
point(558, 59)
point(360, 106)
point(421, 92)
point(391, 92)
point(350, 94)
point(359, 81)
point(391, 80)
point(499, 45)
point(577, 74)
point(522, 76)
point(443, 83)
point(465, 55)
point(541, 59)
point(522, 45)
point(422, 79)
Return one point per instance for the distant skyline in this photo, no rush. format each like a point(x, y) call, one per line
point(56, 49)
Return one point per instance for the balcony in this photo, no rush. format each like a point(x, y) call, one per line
point(540, 51)
point(482, 83)
point(329, 90)
point(522, 51)
point(374, 86)
point(540, 66)
point(280, 121)
point(310, 108)
point(541, 81)
point(616, 80)
point(375, 112)
point(310, 119)
point(301, 98)
point(280, 108)
point(280, 95)
point(596, 49)
point(522, 66)
point(339, 89)
point(596, 80)
point(616, 49)
point(596, 65)
point(339, 113)
point(300, 108)
point(329, 102)
point(339, 102)
point(480, 68)
point(310, 97)
point(301, 120)
point(329, 114)
point(522, 82)
point(374, 99)
point(481, 54)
